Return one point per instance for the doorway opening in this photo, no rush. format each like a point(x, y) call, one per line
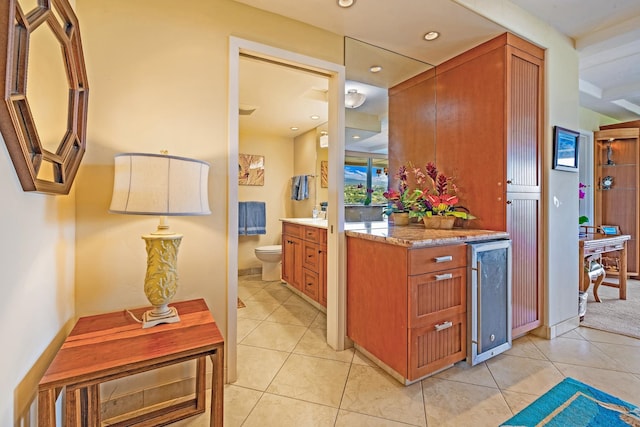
point(336, 294)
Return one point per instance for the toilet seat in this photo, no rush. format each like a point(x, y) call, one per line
point(270, 249)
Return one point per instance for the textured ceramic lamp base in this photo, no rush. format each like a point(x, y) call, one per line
point(161, 280)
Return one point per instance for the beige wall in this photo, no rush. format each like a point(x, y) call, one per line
point(158, 73)
point(37, 250)
point(304, 163)
point(276, 191)
point(36, 308)
point(591, 121)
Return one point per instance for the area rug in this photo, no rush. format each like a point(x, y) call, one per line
point(241, 304)
point(613, 314)
point(575, 404)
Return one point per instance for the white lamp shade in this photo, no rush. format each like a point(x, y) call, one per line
point(157, 184)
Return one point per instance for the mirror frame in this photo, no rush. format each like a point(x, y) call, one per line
point(16, 121)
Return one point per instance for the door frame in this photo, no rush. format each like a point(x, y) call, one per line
point(336, 258)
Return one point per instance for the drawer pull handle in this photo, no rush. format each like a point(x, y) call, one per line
point(444, 276)
point(442, 326)
point(445, 258)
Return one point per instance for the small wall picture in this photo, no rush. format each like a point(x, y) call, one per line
point(324, 174)
point(565, 149)
point(250, 169)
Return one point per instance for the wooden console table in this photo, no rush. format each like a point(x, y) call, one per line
point(109, 346)
point(602, 243)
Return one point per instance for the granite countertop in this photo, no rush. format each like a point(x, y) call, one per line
point(313, 222)
point(416, 235)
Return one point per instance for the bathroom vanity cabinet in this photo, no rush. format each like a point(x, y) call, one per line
point(304, 260)
point(407, 297)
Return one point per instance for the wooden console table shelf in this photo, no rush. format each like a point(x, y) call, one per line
point(109, 346)
point(599, 244)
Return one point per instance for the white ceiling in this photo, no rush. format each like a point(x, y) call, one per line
point(606, 34)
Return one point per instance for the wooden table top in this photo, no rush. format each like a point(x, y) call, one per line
point(109, 343)
point(599, 239)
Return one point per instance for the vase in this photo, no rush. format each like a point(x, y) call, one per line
point(439, 222)
point(400, 218)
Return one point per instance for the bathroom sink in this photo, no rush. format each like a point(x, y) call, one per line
point(311, 221)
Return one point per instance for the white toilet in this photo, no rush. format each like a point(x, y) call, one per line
point(270, 257)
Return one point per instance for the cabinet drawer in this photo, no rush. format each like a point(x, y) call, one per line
point(310, 255)
point(311, 234)
point(438, 294)
point(290, 229)
point(310, 283)
point(437, 345)
point(425, 260)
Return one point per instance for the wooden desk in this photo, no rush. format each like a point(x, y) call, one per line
point(603, 243)
point(109, 346)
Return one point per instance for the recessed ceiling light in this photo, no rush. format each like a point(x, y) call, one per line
point(355, 137)
point(431, 35)
point(314, 117)
point(293, 128)
point(346, 3)
point(375, 68)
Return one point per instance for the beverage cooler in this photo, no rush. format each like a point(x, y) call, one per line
point(488, 299)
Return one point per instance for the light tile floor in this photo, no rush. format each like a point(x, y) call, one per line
point(288, 376)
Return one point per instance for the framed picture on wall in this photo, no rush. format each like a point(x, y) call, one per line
point(565, 149)
point(324, 174)
point(250, 169)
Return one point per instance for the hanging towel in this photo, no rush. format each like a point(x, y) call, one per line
point(299, 187)
point(295, 186)
point(242, 218)
point(255, 218)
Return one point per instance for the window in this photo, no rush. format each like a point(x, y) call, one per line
point(365, 176)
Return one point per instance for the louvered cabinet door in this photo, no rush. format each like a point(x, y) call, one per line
point(523, 225)
point(524, 101)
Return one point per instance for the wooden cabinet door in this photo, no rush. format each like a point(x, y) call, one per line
point(524, 101)
point(436, 296)
point(310, 284)
point(292, 261)
point(523, 226)
point(437, 345)
point(470, 133)
point(412, 118)
point(322, 275)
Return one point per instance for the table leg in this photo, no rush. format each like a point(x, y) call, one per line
point(622, 278)
point(82, 406)
point(217, 389)
point(201, 383)
point(47, 408)
point(581, 269)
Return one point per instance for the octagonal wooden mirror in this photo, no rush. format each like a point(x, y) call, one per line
point(45, 91)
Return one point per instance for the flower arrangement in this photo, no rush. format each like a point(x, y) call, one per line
point(435, 195)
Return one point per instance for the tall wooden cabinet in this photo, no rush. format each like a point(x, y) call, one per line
point(488, 133)
point(616, 157)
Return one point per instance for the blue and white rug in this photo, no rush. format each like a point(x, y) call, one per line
point(575, 404)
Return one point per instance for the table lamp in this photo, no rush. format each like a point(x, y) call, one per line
point(159, 184)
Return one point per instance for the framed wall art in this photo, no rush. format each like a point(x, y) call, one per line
point(324, 174)
point(250, 169)
point(565, 149)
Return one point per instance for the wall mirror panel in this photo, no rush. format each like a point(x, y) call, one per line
point(43, 119)
point(372, 71)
